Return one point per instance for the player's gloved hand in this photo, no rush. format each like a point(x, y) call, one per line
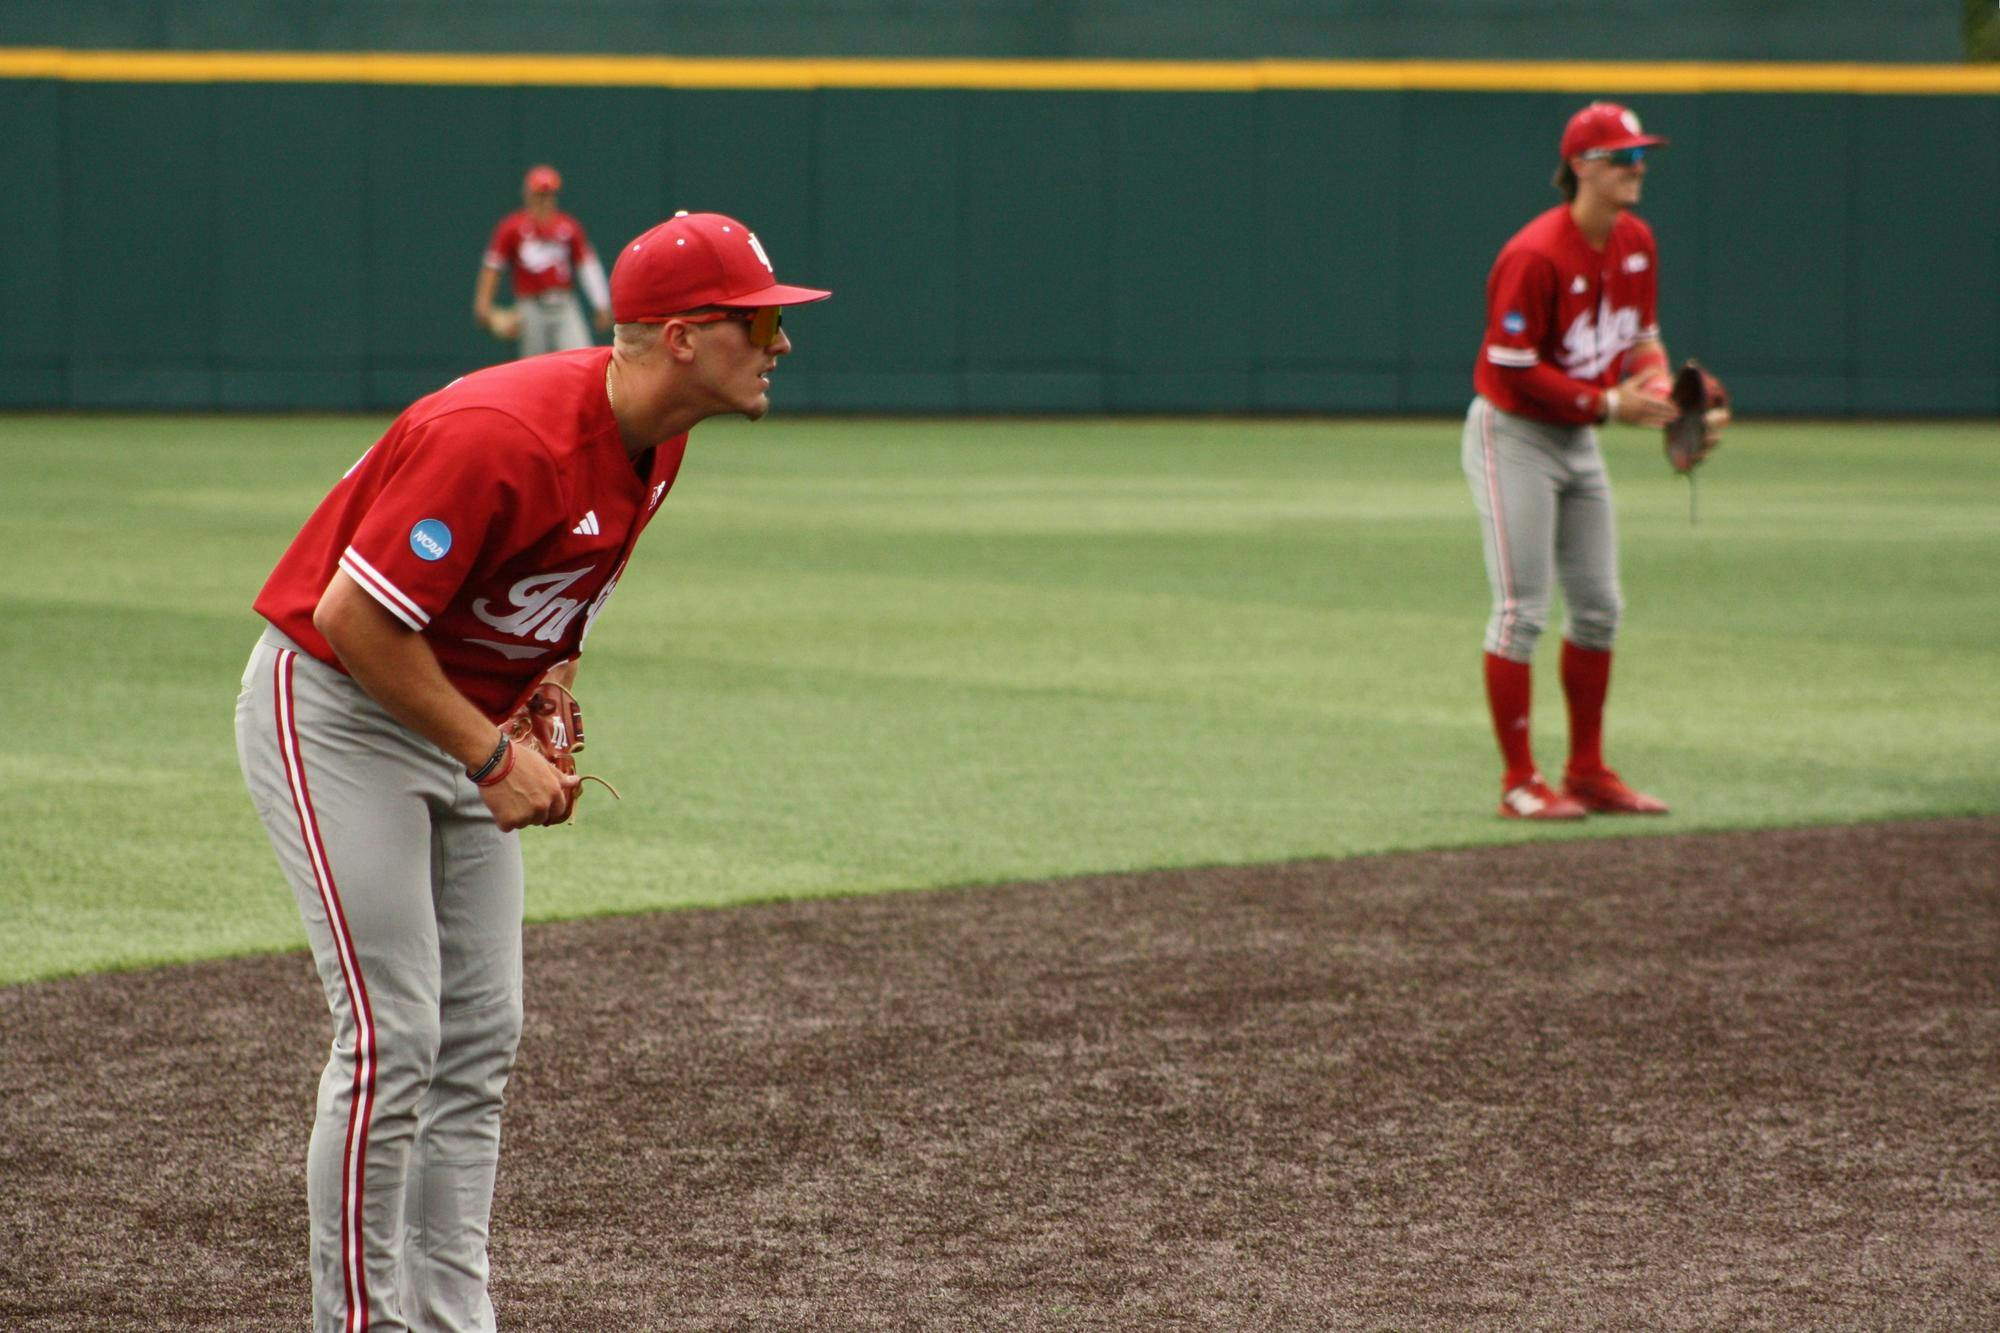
point(548, 729)
point(1639, 402)
point(1703, 406)
point(528, 789)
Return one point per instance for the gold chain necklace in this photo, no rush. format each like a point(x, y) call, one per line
point(610, 394)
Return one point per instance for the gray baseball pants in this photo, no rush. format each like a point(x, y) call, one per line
point(411, 898)
point(552, 323)
point(1544, 502)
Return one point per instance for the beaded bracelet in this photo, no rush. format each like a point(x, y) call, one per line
point(485, 775)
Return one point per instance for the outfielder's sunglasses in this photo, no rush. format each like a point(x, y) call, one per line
point(763, 321)
point(1617, 157)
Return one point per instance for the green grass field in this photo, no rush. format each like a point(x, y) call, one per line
point(855, 656)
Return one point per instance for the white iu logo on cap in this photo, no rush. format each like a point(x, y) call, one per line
point(758, 246)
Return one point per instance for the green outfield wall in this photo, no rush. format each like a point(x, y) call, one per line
point(1864, 30)
point(1125, 238)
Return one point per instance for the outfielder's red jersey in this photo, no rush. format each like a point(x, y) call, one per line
point(541, 258)
point(494, 516)
point(1560, 317)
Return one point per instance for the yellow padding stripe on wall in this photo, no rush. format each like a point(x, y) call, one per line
point(1055, 75)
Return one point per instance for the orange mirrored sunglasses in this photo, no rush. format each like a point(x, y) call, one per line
point(763, 321)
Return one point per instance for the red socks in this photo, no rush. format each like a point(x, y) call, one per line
point(1509, 685)
point(1586, 679)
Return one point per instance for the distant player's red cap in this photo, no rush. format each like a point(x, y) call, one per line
point(542, 179)
point(693, 260)
point(1604, 125)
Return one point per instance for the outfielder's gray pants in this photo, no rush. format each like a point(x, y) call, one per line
point(552, 323)
point(411, 898)
point(1544, 502)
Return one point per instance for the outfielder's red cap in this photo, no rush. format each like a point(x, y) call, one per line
point(1603, 125)
point(693, 260)
point(543, 178)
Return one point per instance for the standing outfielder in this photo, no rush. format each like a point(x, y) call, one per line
point(547, 254)
point(1572, 340)
point(460, 562)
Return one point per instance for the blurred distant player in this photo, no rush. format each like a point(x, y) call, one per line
point(1572, 340)
point(547, 253)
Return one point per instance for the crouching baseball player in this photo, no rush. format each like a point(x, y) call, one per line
point(457, 565)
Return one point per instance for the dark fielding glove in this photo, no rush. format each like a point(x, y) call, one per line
point(1704, 406)
point(550, 722)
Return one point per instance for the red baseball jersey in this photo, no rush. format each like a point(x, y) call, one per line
point(541, 258)
point(495, 517)
point(1560, 316)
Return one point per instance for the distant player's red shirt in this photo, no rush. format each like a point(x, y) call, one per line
point(1560, 317)
point(540, 257)
point(495, 517)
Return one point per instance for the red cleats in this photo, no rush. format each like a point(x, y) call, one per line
point(1535, 799)
point(1604, 793)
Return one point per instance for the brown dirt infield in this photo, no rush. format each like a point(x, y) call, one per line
point(1741, 1081)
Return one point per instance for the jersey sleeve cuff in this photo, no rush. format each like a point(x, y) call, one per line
point(392, 598)
point(1514, 358)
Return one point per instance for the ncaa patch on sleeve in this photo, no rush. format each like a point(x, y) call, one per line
point(1513, 321)
point(430, 539)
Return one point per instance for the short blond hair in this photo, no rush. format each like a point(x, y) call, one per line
point(637, 340)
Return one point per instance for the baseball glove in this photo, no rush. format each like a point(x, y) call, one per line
point(550, 722)
point(1704, 407)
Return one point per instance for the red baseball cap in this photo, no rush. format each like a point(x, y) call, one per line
point(1604, 125)
point(693, 260)
point(543, 178)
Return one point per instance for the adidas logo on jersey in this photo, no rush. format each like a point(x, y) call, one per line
point(588, 527)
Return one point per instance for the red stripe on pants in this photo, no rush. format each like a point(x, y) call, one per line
point(361, 1100)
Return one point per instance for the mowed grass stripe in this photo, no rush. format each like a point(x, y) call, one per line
point(863, 655)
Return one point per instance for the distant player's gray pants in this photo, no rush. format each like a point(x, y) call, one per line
point(411, 897)
point(552, 323)
point(1544, 502)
